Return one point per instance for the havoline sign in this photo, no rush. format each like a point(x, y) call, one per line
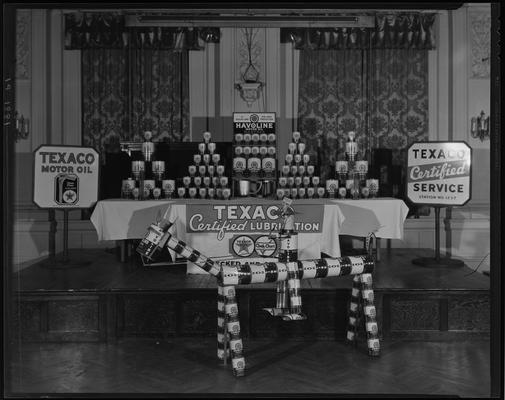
point(65, 177)
point(254, 122)
point(439, 173)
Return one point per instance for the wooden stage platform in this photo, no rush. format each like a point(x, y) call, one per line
point(108, 300)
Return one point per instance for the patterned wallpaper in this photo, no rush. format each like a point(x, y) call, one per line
point(23, 44)
point(480, 31)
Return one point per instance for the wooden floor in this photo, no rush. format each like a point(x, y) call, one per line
point(395, 271)
point(190, 367)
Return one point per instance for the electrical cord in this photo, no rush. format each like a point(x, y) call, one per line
point(475, 270)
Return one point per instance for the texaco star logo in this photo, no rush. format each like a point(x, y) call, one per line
point(243, 246)
point(69, 196)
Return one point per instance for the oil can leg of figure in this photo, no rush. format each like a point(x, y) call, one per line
point(289, 255)
point(354, 308)
point(372, 331)
point(222, 333)
point(233, 330)
point(282, 296)
point(295, 298)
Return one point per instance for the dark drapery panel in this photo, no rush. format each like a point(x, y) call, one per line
point(160, 94)
point(108, 30)
point(126, 92)
point(104, 97)
point(399, 100)
point(382, 95)
point(391, 31)
point(331, 101)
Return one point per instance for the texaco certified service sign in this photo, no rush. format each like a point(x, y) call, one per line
point(65, 177)
point(439, 173)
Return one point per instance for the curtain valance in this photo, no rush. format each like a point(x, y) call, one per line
point(391, 31)
point(108, 31)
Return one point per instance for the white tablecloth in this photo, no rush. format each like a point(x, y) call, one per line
point(120, 219)
point(382, 216)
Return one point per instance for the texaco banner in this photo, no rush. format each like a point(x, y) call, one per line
point(251, 218)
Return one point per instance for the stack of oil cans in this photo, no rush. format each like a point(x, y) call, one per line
point(297, 178)
point(350, 180)
point(254, 156)
point(206, 177)
point(147, 174)
point(229, 339)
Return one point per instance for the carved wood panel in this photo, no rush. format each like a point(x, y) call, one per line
point(262, 325)
point(414, 314)
point(55, 318)
point(427, 315)
point(147, 315)
point(329, 315)
point(469, 313)
point(198, 315)
point(26, 318)
point(326, 317)
point(73, 315)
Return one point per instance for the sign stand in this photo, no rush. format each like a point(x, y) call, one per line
point(437, 261)
point(64, 261)
point(65, 178)
point(439, 174)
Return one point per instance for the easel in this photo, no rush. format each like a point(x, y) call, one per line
point(437, 261)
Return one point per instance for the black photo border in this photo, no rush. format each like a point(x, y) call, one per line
point(496, 151)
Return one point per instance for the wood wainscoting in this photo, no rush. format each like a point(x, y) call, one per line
point(109, 300)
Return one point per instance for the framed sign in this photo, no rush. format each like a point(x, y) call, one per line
point(252, 123)
point(65, 177)
point(439, 173)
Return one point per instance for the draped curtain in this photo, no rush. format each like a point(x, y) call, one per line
point(109, 31)
point(382, 95)
point(399, 100)
point(160, 95)
point(126, 92)
point(104, 96)
point(373, 81)
point(390, 31)
point(133, 79)
point(331, 102)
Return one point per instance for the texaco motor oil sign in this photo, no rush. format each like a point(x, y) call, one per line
point(439, 173)
point(65, 177)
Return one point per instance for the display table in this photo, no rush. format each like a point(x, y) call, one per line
point(245, 223)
